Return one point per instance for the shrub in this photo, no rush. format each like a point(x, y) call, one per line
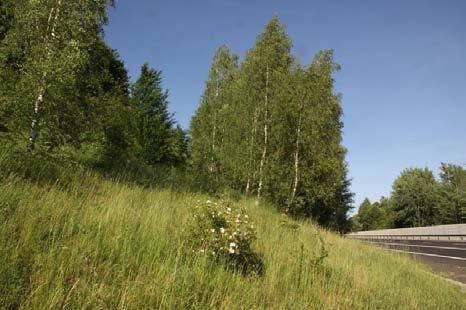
point(226, 234)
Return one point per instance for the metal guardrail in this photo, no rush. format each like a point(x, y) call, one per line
point(456, 237)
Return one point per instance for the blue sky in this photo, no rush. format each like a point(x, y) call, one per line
point(403, 75)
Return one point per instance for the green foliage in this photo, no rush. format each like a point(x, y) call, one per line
point(372, 216)
point(209, 126)
point(452, 194)
point(415, 198)
point(418, 199)
point(6, 17)
point(159, 141)
point(54, 51)
point(273, 129)
point(43, 53)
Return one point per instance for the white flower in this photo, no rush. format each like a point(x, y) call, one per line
point(229, 209)
point(208, 201)
point(232, 248)
point(237, 221)
point(202, 251)
point(246, 216)
point(222, 230)
point(212, 230)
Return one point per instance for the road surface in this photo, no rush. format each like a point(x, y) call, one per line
point(445, 257)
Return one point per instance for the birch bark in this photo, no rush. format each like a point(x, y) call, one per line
point(49, 32)
point(296, 156)
point(264, 150)
point(214, 125)
point(251, 148)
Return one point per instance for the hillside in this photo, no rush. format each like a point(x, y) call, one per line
point(103, 244)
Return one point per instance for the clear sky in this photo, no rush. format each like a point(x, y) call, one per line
point(403, 75)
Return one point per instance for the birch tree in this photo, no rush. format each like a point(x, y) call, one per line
point(54, 37)
point(263, 68)
point(208, 124)
point(281, 134)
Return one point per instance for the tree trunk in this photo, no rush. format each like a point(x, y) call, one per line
point(214, 132)
point(296, 158)
point(51, 25)
point(264, 150)
point(214, 125)
point(251, 148)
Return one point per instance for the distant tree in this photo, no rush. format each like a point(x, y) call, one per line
point(343, 205)
point(415, 198)
point(153, 123)
point(372, 216)
point(389, 214)
point(354, 222)
point(179, 151)
point(452, 194)
point(104, 95)
point(365, 219)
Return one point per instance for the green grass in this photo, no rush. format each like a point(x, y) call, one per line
point(96, 243)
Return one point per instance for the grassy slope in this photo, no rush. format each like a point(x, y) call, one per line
point(110, 245)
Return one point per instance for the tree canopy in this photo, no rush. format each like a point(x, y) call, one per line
point(271, 128)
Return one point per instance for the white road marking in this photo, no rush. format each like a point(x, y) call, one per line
point(419, 246)
point(426, 254)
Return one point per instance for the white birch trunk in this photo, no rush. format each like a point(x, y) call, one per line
point(214, 130)
point(214, 126)
point(296, 157)
point(51, 25)
point(251, 148)
point(264, 150)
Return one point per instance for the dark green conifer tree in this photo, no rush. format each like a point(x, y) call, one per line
point(153, 122)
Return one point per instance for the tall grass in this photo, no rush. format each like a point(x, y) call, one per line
point(97, 243)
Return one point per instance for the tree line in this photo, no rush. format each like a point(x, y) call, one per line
point(417, 199)
point(271, 128)
point(268, 127)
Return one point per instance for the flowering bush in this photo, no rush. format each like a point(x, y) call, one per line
point(225, 233)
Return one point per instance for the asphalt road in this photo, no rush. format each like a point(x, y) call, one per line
point(447, 258)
